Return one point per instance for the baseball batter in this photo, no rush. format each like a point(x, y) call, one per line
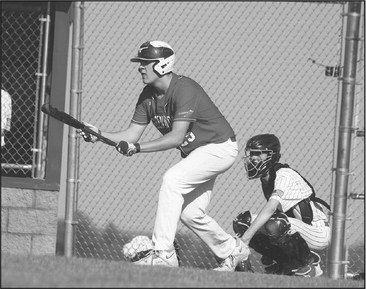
point(291, 222)
point(188, 120)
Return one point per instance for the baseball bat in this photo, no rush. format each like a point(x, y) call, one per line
point(71, 121)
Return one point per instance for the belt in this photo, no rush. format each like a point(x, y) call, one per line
point(233, 138)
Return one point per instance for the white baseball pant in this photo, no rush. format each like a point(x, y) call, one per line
point(185, 194)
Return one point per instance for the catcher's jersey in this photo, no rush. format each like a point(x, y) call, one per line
point(295, 189)
point(185, 100)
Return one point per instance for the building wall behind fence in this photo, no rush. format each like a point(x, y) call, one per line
point(29, 203)
point(263, 64)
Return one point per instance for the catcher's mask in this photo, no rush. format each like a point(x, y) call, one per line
point(159, 52)
point(261, 153)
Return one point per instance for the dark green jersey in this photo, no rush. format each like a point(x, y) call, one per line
point(185, 100)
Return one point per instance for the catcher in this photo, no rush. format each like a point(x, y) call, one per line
point(291, 223)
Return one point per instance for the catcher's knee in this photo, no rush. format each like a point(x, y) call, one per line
point(277, 227)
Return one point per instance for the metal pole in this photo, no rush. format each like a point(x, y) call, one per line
point(37, 115)
point(337, 252)
point(74, 142)
point(39, 173)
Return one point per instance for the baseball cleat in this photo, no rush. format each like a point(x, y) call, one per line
point(312, 269)
point(244, 266)
point(156, 258)
point(240, 253)
point(143, 257)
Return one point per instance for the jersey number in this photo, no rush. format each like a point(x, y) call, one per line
point(190, 137)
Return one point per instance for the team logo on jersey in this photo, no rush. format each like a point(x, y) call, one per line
point(162, 121)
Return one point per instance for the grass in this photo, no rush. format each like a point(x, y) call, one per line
point(57, 271)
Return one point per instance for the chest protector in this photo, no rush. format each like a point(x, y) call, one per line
point(304, 206)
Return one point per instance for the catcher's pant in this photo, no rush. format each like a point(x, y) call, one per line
point(185, 194)
point(317, 235)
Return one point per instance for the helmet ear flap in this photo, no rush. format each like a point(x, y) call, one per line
point(164, 66)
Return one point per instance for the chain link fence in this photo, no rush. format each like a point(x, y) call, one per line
point(22, 34)
point(269, 66)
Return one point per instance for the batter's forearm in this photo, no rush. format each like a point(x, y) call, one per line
point(118, 136)
point(163, 143)
point(131, 135)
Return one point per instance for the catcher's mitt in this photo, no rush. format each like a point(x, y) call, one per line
point(241, 223)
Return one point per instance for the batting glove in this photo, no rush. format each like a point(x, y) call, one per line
point(128, 149)
point(87, 136)
point(241, 223)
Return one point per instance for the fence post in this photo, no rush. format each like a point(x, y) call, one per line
point(337, 248)
point(72, 186)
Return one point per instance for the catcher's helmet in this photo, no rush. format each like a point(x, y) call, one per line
point(160, 52)
point(255, 166)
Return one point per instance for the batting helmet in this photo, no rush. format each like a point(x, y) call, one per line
point(256, 146)
point(160, 52)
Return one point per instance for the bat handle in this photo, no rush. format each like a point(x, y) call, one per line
point(99, 136)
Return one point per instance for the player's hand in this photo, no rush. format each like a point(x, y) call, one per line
point(241, 223)
point(127, 149)
point(87, 136)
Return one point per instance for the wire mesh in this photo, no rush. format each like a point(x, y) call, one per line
point(269, 66)
point(21, 50)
